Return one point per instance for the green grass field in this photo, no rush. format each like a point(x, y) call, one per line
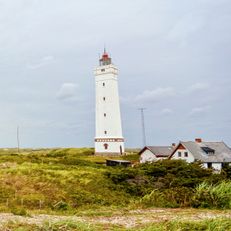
point(73, 182)
point(56, 180)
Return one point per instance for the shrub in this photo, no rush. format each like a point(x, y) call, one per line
point(226, 171)
point(161, 175)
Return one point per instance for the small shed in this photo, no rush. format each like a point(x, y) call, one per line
point(124, 163)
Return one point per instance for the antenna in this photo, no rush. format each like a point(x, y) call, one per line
point(18, 139)
point(143, 125)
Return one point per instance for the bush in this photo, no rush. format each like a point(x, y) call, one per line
point(176, 173)
point(226, 171)
point(161, 175)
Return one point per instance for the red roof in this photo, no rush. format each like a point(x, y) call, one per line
point(105, 56)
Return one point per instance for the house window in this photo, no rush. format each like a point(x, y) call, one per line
point(185, 154)
point(179, 154)
point(104, 98)
point(105, 132)
point(102, 70)
point(105, 146)
point(208, 150)
point(104, 114)
point(209, 165)
point(103, 84)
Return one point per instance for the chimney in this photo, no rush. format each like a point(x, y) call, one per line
point(173, 145)
point(198, 140)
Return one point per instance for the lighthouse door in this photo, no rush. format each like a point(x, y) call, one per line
point(120, 150)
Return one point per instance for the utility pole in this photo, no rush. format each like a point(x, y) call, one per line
point(143, 125)
point(18, 139)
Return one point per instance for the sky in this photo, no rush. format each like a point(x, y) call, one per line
point(174, 60)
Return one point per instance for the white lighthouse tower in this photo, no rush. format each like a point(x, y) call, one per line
point(108, 138)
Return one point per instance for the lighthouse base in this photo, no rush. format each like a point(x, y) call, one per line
point(109, 146)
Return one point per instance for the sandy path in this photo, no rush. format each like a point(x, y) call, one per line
point(127, 219)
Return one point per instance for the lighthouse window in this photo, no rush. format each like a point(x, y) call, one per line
point(104, 114)
point(104, 98)
point(105, 146)
point(104, 84)
point(105, 132)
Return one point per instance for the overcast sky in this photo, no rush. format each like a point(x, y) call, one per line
point(174, 59)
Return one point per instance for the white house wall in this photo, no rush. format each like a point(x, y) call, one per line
point(205, 165)
point(188, 159)
point(217, 166)
point(147, 156)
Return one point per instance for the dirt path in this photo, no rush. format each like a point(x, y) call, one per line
point(127, 219)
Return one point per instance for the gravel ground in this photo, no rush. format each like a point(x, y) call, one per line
point(127, 219)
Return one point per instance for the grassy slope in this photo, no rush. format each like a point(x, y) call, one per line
point(71, 181)
point(57, 179)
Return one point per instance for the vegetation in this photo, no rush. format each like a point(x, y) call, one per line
point(219, 224)
point(173, 184)
point(55, 180)
point(213, 196)
point(70, 180)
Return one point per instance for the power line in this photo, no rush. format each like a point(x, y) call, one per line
point(143, 125)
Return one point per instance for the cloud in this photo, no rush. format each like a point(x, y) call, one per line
point(186, 27)
point(199, 110)
point(166, 111)
point(155, 95)
point(67, 92)
point(198, 87)
point(43, 62)
point(188, 46)
point(125, 100)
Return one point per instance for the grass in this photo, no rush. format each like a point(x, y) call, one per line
point(60, 180)
point(72, 181)
point(208, 225)
point(217, 196)
point(220, 224)
point(67, 180)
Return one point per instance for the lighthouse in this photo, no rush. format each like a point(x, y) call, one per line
point(108, 135)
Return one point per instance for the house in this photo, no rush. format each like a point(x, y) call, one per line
point(212, 154)
point(154, 153)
